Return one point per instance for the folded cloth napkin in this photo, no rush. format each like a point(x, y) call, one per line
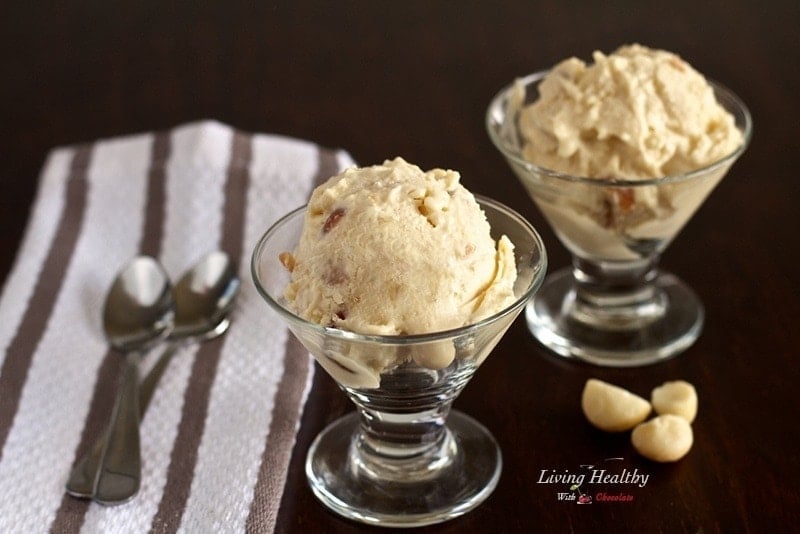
point(218, 435)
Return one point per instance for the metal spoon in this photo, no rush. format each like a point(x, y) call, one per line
point(138, 313)
point(204, 295)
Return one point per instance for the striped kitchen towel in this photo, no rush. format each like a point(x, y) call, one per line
point(218, 435)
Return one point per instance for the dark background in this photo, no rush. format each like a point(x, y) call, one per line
point(413, 78)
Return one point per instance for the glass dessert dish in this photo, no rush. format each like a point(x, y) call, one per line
point(404, 458)
point(612, 307)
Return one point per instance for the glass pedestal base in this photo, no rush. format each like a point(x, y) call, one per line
point(558, 320)
point(463, 474)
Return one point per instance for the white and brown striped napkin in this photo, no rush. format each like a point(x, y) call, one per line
point(218, 435)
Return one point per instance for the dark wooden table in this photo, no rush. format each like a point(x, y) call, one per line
point(414, 79)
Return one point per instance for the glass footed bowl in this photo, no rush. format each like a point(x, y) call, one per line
point(613, 307)
point(403, 458)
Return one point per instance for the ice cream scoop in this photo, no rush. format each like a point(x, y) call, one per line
point(392, 250)
point(638, 113)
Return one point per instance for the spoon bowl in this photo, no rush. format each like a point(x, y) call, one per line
point(139, 309)
point(204, 297)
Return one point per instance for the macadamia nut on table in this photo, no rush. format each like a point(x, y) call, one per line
point(677, 397)
point(612, 408)
point(666, 438)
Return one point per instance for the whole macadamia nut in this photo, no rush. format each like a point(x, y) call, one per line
point(678, 398)
point(666, 438)
point(612, 408)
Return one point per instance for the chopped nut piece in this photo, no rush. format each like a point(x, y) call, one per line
point(287, 260)
point(625, 198)
point(332, 220)
point(676, 62)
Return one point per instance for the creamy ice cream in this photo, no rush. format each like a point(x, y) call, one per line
point(638, 113)
point(634, 115)
point(393, 250)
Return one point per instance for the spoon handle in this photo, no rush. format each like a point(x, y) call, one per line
point(83, 480)
point(151, 379)
point(121, 466)
point(83, 477)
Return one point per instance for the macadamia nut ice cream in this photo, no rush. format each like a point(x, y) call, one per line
point(393, 250)
point(612, 129)
point(638, 113)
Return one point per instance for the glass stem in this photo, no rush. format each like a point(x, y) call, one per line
point(616, 295)
point(402, 436)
